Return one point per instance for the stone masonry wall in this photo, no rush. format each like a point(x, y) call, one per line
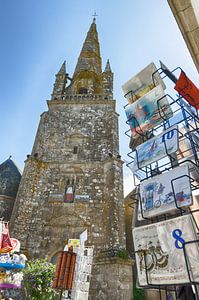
point(77, 141)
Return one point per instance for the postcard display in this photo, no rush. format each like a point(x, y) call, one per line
point(83, 269)
point(165, 166)
point(11, 263)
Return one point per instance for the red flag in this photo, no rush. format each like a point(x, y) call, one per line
point(6, 244)
point(188, 90)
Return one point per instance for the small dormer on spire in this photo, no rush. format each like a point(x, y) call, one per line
point(60, 83)
point(108, 80)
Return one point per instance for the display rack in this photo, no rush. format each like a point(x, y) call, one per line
point(185, 123)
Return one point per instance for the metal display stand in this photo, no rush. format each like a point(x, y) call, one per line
point(188, 134)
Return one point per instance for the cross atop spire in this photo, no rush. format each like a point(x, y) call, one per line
point(95, 15)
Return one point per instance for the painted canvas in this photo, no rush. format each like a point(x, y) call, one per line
point(160, 245)
point(156, 148)
point(158, 197)
point(142, 83)
point(147, 112)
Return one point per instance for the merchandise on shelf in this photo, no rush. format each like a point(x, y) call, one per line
point(160, 258)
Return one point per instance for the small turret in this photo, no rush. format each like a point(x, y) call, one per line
point(60, 83)
point(108, 79)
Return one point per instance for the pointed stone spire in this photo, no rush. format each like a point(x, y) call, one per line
point(89, 58)
point(60, 83)
point(108, 67)
point(87, 77)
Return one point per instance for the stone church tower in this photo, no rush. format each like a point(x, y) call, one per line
point(73, 178)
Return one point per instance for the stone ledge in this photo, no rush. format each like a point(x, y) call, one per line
point(114, 260)
point(59, 199)
point(80, 101)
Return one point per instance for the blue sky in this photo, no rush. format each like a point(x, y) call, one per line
point(38, 35)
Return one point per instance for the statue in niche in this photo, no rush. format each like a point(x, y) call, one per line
point(70, 191)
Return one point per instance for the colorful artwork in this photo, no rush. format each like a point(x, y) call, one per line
point(10, 279)
point(156, 148)
point(74, 242)
point(147, 112)
point(14, 261)
point(142, 83)
point(160, 255)
point(10, 262)
point(157, 196)
point(7, 244)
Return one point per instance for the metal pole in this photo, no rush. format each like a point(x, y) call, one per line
point(61, 294)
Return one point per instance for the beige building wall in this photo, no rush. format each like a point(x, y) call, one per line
point(186, 13)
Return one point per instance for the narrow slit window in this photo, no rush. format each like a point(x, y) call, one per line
point(75, 149)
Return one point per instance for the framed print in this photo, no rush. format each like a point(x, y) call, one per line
point(156, 148)
point(158, 194)
point(147, 112)
point(142, 83)
point(159, 252)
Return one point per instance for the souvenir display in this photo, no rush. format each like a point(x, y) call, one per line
point(139, 140)
point(74, 242)
point(82, 271)
point(148, 111)
point(84, 287)
point(156, 148)
point(168, 72)
point(158, 197)
point(83, 237)
point(188, 90)
point(185, 146)
point(10, 279)
point(142, 83)
point(189, 149)
point(10, 261)
point(166, 252)
point(81, 295)
point(7, 244)
point(159, 252)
